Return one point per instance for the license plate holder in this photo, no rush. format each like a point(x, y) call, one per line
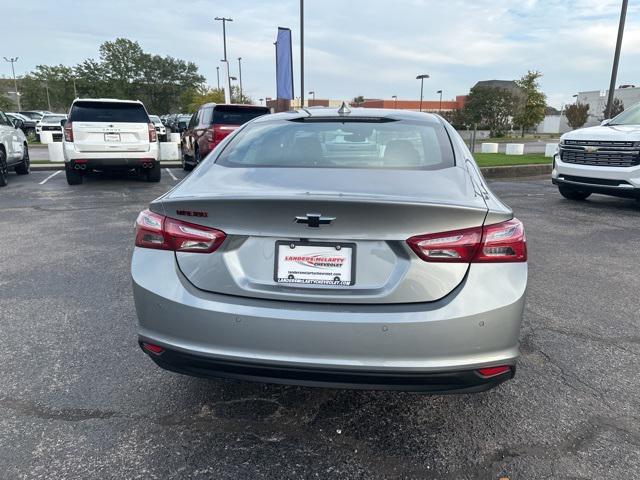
point(111, 137)
point(315, 263)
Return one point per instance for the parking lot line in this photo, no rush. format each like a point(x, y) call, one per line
point(171, 174)
point(49, 177)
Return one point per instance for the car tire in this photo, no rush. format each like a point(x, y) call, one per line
point(3, 169)
point(154, 173)
point(187, 167)
point(25, 167)
point(74, 177)
point(573, 194)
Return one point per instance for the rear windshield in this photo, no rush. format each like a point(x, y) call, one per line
point(108, 112)
point(230, 115)
point(53, 118)
point(423, 145)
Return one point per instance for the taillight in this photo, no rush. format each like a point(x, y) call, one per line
point(153, 136)
point(500, 242)
point(68, 132)
point(164, 233)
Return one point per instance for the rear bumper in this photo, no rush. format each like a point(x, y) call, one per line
point(111, 158)
point(463, 381)
point(475, 326)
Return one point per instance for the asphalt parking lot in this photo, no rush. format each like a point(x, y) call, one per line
point(78, 399)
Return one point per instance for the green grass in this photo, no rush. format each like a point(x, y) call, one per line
point(543, 137)
point(501, 159)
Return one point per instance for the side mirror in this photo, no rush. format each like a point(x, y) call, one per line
point(606, 122)
point(62, 122)
point(18, 124)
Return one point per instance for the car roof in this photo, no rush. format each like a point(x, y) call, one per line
point(241, 105)
point(353, 113)
point(106, 100)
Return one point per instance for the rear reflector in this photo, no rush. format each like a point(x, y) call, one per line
point(164, 233)
point(155, 349)
point(500, 242)
point(493, 371)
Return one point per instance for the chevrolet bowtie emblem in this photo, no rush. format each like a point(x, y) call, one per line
point(314, 220)
point(590, 149)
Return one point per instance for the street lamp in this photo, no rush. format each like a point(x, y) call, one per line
point(240, 75)
point(261, 100)
point(313, 94)
point(15, 82)
point(421, 78)
point(218, 76)
point(395, 101)
point(616, 59)
point(302, 53)
point(224, 43)
point(440, 106)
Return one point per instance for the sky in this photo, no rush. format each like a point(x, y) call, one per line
point(372, 48)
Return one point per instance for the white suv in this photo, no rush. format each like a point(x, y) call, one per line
point(603, 159)
point(105, 134)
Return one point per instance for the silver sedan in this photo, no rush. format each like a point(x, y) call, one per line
point(344, 248)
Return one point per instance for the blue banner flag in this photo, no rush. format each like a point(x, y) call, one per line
point(284, 64)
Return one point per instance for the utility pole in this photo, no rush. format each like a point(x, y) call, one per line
point(440, 106)
point(218, 76)
point(15, 82)
point(301, 53)
point(46, 86)
point(616, 59)
point(240, 76)
point(75, 91)
point(421, 78)
point(224, 43)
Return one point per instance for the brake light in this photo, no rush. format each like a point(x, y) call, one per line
point(164, 233)
point(500, 242)
point(153, 136)
point(68, 132)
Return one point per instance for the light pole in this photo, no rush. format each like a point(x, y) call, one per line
point(421, 78)
point(240, 75)
point(15, 82)
point(440, 105)
point(616, 59)
point(313, 94)
point(218, 76)
point(224, 43)
point(395, 101)
point(261, 100)
point(46, 86)
point(576, 98)
point(301, 53)
point(75, 91)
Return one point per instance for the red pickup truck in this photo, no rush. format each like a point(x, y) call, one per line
point(209, 125)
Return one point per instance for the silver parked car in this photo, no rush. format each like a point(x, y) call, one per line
point(345, 248)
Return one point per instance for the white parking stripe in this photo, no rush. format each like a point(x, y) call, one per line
point(49, 177)
point(171, 174)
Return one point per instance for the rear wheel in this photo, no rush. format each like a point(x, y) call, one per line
point(573, 194)
point(74, 177)
point(25, 167)
point(3, 168)
point(154, 174)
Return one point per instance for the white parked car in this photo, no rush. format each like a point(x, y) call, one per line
point(602, 159)
point(161, 130)
point(108, 134)
point(50, 123)
point(14, 152)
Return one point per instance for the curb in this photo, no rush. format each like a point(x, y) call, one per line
point(513, 171)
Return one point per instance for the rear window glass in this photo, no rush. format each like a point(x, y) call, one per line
point(341, 144)
point(230, 115)
point(108, 112)
point(53, 118)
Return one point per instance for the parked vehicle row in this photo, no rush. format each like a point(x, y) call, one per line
point(14, 151)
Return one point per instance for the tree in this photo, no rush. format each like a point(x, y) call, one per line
point(577, 114)
point(531, 102)
point(5, 103)
point(357, 101)
point(492, 107)
point(617, 107)
point(123, 71)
